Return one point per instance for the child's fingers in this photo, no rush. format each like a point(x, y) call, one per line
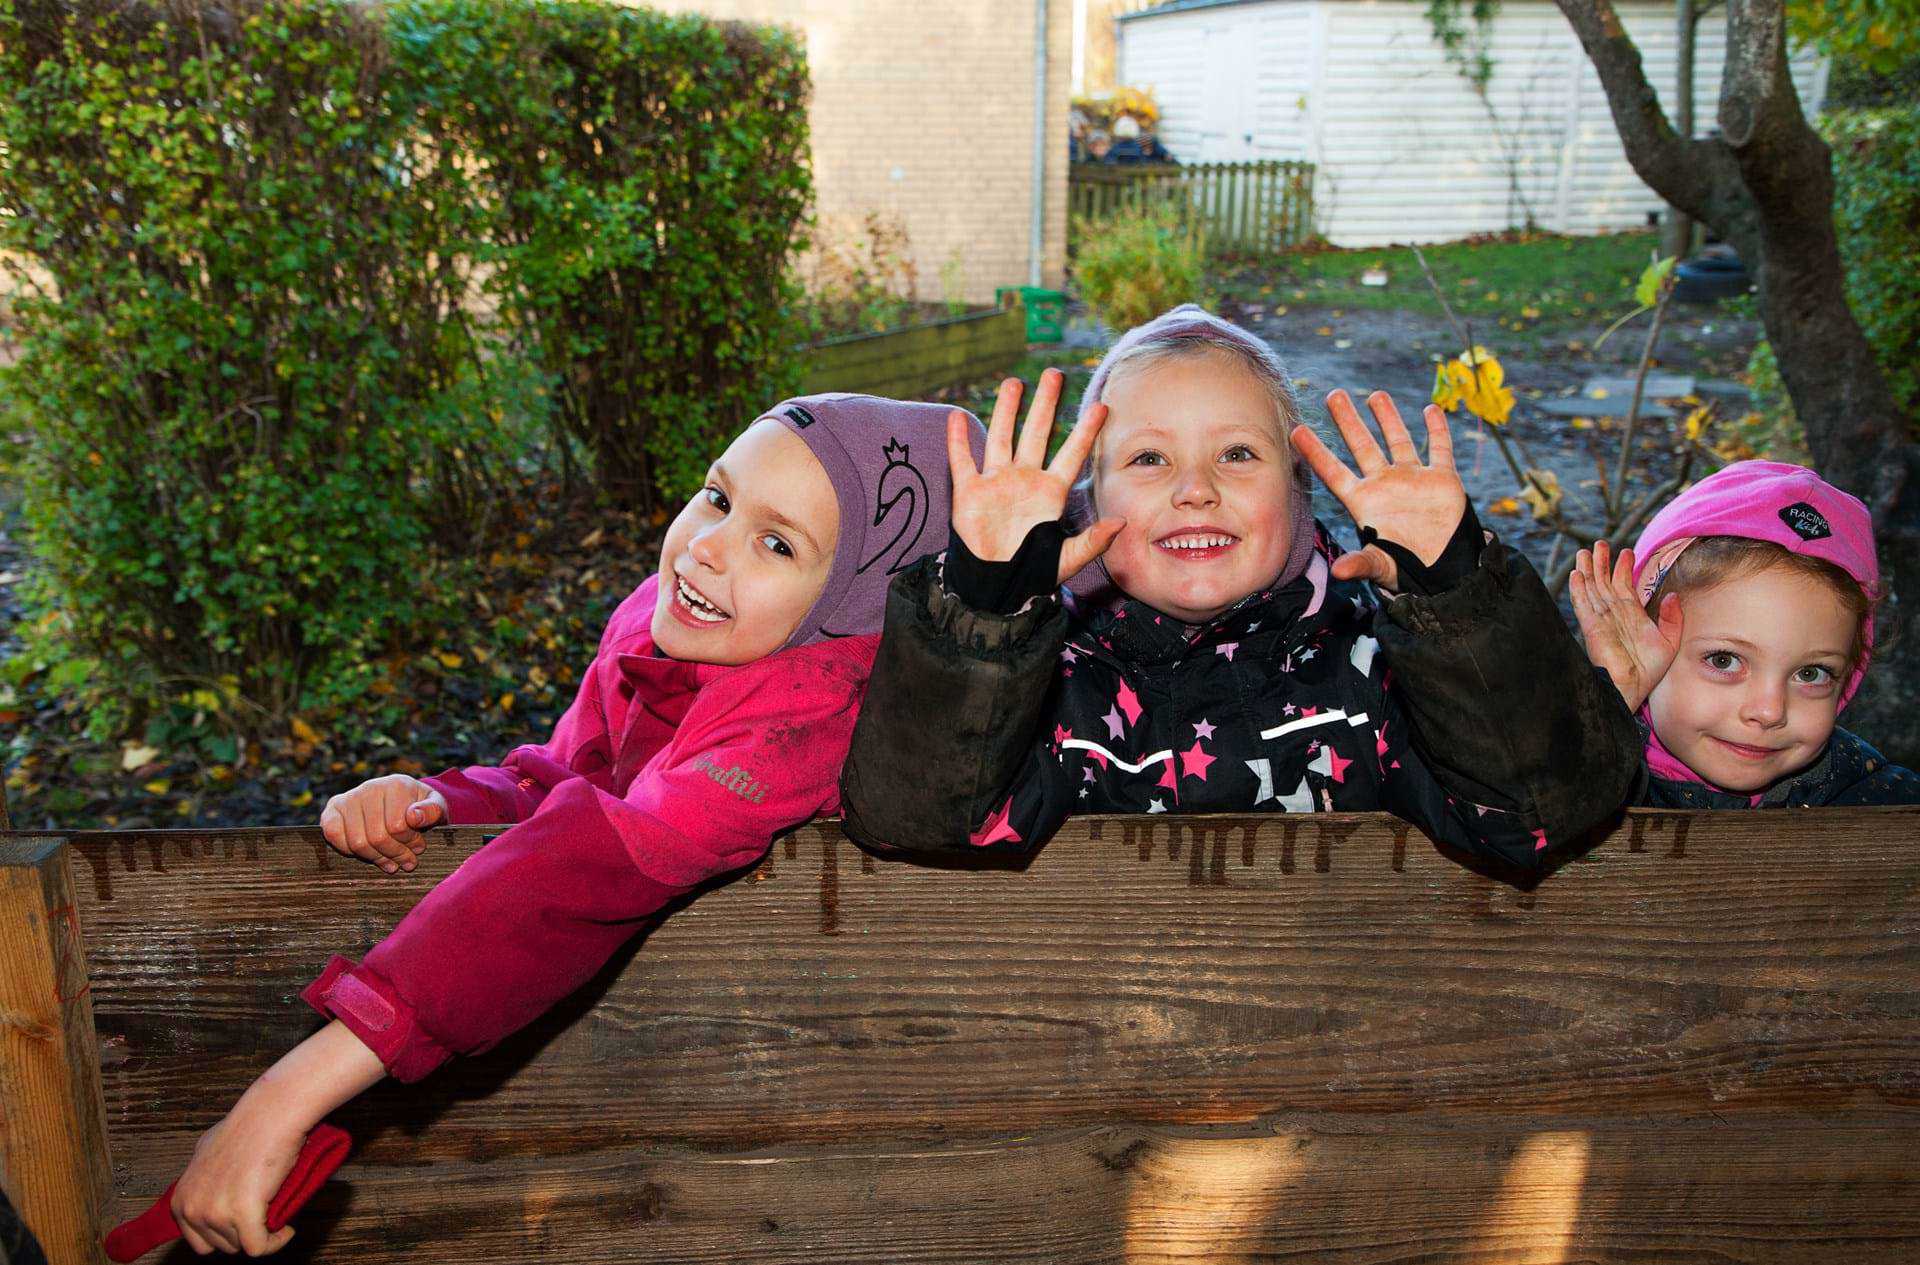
point(424, 814)
point(1671, 618)
point(195, 1240)
point(1006, 411)
point(960, 460)
point(254, 1238)
point(1332, 471)
point(1079, 551)
point(1623, 576)
point(1078, 447)
point(1392, 428)
point(1369, 564)
point(333, 826)
point(1439, 438)
point(1359, 440)
point(280, 1239)
point(363, 829)
point(1039, 426)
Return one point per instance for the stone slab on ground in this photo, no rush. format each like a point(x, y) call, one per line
point(1659, 386)
point(1612, 406)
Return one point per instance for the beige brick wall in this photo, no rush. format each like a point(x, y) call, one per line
point(1101, 72)
point(923, 112)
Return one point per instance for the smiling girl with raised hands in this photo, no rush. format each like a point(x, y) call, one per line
point(1737, 627)
point(714, 717)
point(1223, 655)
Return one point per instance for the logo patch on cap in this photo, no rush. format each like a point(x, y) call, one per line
point(1805, 521)
point(800, 416)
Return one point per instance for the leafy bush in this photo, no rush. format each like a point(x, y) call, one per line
point(1139, 262)
point(1876, 211)
point(646, 178)
point(299, 282)
point(235, 347)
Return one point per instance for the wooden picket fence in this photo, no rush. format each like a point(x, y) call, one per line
point(1165, 1041)
point(1245, 207)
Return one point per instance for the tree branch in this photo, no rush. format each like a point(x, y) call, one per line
point(1695, 176)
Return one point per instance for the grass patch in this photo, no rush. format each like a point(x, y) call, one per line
point(1514, 282)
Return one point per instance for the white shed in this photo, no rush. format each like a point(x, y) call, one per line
point(1405, 151)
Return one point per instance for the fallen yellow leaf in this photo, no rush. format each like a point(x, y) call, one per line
point(448, 659)
point(1542, 493)
point(133, 755)
point(302, 799)
point(1505, 505)
point(159, 786)
point(506, 702)
point(305, 732)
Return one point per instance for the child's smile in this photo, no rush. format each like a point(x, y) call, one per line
point(749, 555)
point(1193, 456)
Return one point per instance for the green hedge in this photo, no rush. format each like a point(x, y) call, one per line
point(1876, 211)
point(647, 179)
point(255, 241)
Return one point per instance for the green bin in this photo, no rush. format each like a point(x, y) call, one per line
point(1046, 311)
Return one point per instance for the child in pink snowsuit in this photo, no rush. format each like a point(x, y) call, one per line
point(715, 716)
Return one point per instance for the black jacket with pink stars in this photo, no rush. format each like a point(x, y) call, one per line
point(1471, 713)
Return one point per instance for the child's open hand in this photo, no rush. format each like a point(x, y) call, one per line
point(1016, 490)
point(380, 821)
point(1635, 650)
point(1416, 506)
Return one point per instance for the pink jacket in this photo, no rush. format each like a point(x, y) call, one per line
point(661, 775)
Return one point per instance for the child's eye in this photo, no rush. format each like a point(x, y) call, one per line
point(1814, 674)
point(778, 545)
point(1147, 458)
point(1239, 452)
point(1722, 660)
point(716, 498)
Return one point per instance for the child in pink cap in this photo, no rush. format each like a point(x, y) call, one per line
point(1737, 628)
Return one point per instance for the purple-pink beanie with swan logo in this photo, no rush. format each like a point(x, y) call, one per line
point(887, 461)
point(1194, 326)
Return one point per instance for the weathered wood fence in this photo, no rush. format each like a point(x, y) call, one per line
point(1252, 206)
point(1305, 1038)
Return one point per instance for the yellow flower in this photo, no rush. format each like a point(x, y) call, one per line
point(1475, 379)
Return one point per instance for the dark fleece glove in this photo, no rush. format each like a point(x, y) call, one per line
point(1455, 563)
point(1001, 588)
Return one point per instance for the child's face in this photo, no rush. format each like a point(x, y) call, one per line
point(1752, 693)
point(754, 546)
point(1193, 459)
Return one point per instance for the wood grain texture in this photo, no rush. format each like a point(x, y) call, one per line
point(53, 1142)
point(1702, 1043)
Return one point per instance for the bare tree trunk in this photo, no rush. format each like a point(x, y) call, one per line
point(1678, 241)
point(1766, 185)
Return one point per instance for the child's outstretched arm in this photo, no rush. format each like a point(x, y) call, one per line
point(221, 1200)
point(1635, 651)
point(1495, 703)
point(534, 914)
point(384, 821)
point(944, 754)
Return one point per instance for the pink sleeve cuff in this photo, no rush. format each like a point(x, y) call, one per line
point(378, 1015)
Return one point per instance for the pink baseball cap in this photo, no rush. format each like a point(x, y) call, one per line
point(1783, 504)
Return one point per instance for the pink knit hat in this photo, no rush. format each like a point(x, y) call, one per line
point(1783, 504)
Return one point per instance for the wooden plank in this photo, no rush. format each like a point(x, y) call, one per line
point(53, 1139)
point(1338, 1190)
point(1180, 973)
point(1705, 1038)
